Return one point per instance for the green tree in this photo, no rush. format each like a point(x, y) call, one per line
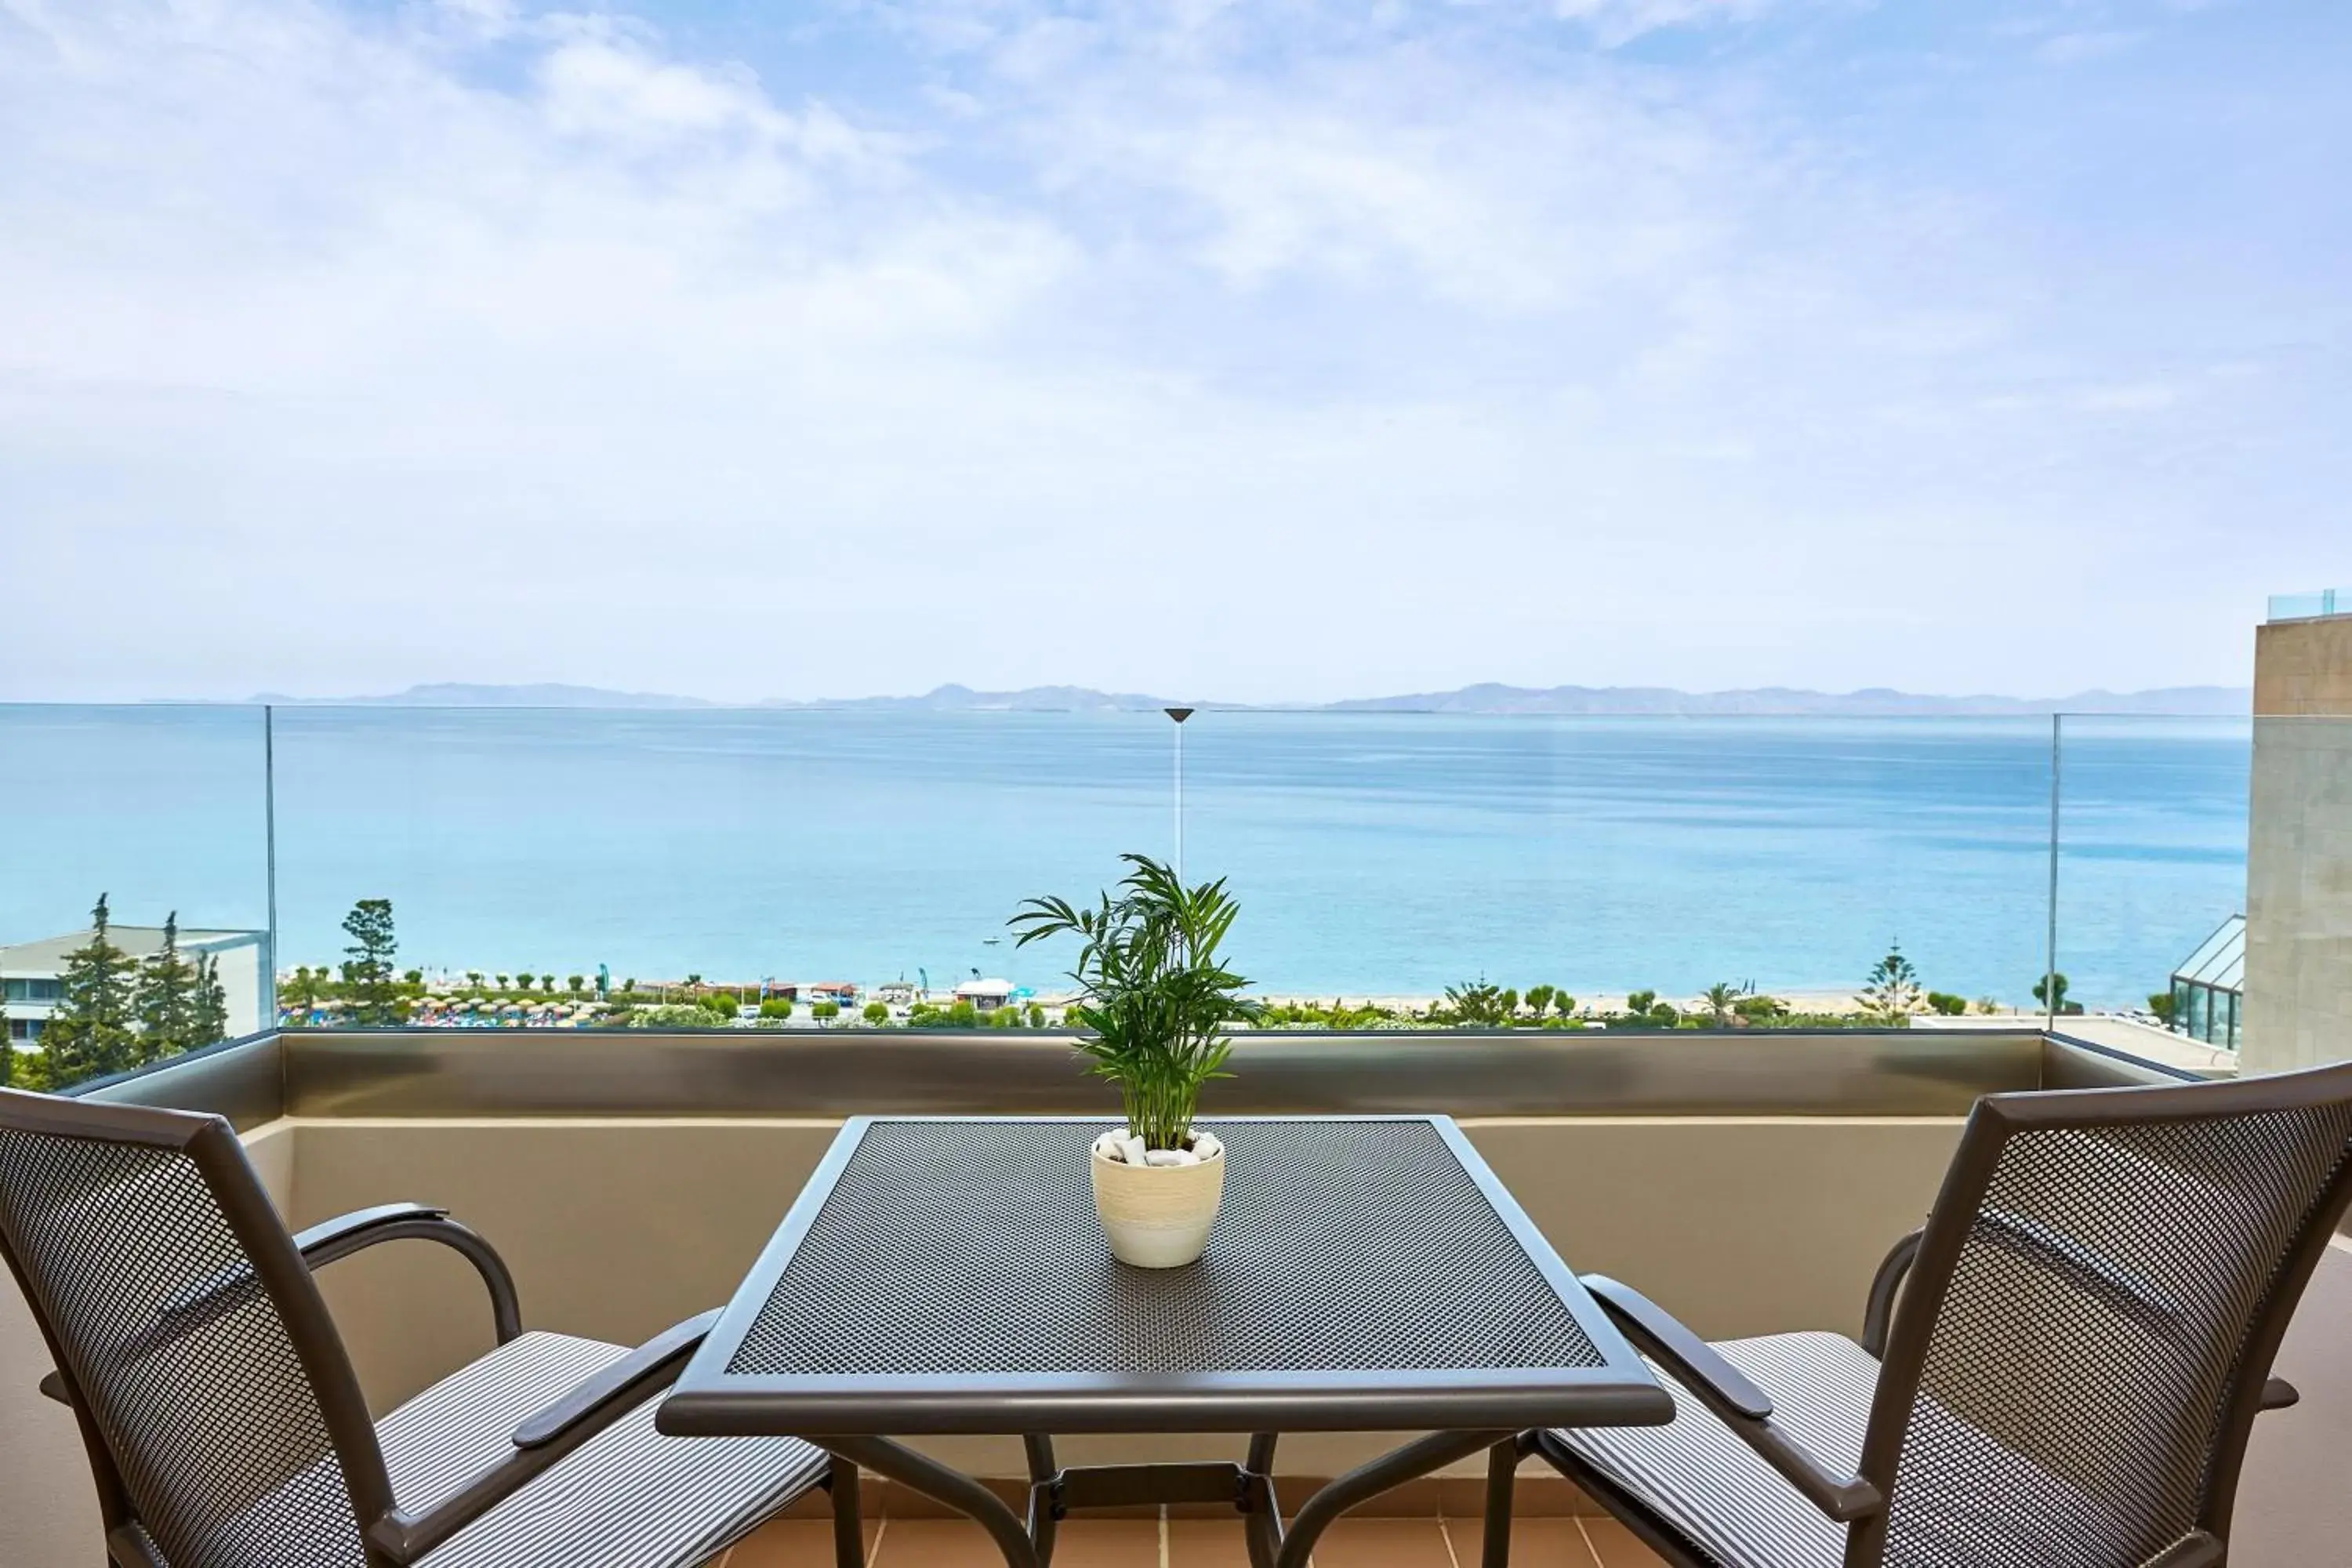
point(163, 999)
point(1036, 1015)
point(367, 964)
point(474, 978)
point(2160, 1004)
point(1722, 998)
point(825, 1012)
point(91, 1034)
point(208, 1019)
point(2052, 996)
point(1539, 999)
point(1947, 1004)
point(302, 991)
point(577, 983)
point(776, 1007)
point(1475, 1004)
point(1891, 994)
point(1508, 1001)
point(877, 1011)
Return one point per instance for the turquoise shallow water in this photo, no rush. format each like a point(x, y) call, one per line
point(1372, 853)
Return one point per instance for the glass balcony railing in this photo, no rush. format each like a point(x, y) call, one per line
point(797, 869)
point(2311, 607)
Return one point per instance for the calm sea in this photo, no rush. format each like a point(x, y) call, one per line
point(1371, 853)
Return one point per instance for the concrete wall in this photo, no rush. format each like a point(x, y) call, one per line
point(2299, 895)
point(2304, 668)
point(2298, 1008)
point(2294, 1507)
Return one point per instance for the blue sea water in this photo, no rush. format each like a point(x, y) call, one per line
point(1372, 853)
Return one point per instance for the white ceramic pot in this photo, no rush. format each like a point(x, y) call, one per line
point(1158, 1216)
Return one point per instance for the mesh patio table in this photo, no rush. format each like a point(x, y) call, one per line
point(947, 1275)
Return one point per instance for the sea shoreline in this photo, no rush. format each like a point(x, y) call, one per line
point(452, 1001)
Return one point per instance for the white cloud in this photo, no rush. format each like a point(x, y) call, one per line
point(483, 343)
point(2090, 44)
point(1618, 22)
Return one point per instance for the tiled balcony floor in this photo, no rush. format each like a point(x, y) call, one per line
point(1547, 1543)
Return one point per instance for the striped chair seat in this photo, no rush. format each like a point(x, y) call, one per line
point(1713, 1489)
point(629, 1498)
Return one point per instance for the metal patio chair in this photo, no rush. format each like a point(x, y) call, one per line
point(223, 1424)
point(2062, 1368)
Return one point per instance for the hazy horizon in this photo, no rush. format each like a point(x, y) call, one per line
point(498, 694)
point(1292, 351)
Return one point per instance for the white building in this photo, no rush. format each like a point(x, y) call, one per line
point(31, 987)
point(987, 995)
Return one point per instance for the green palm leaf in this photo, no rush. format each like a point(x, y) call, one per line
point(1154, 996)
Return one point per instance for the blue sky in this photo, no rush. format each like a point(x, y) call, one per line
point(1278, 350)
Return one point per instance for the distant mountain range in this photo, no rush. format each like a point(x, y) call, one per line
point(1486, 698)
point(460, 695)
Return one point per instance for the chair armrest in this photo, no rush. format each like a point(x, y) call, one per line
point(1658, 1334)
point(337, 1239)
point(1878, 1312)
point(1744, 1409)
point(2278, 1394)
point(326, 1233)
point(600, 1399)
point(622, 1381)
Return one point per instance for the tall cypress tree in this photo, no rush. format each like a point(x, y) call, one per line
point(165, 1001)
point(91, 1034)
point(367, 972)
point(1892, 992)
point(207, 1005)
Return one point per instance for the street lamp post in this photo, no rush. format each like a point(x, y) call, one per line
point(1180, 715)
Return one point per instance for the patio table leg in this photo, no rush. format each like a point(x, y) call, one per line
point(848, 1517)
point(936, 1481)
point(1502, 1470)
point(1363, 1483)
point(1261, 1507)
point(1044, 1505)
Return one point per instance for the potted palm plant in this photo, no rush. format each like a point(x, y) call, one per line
point(1154, 998)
